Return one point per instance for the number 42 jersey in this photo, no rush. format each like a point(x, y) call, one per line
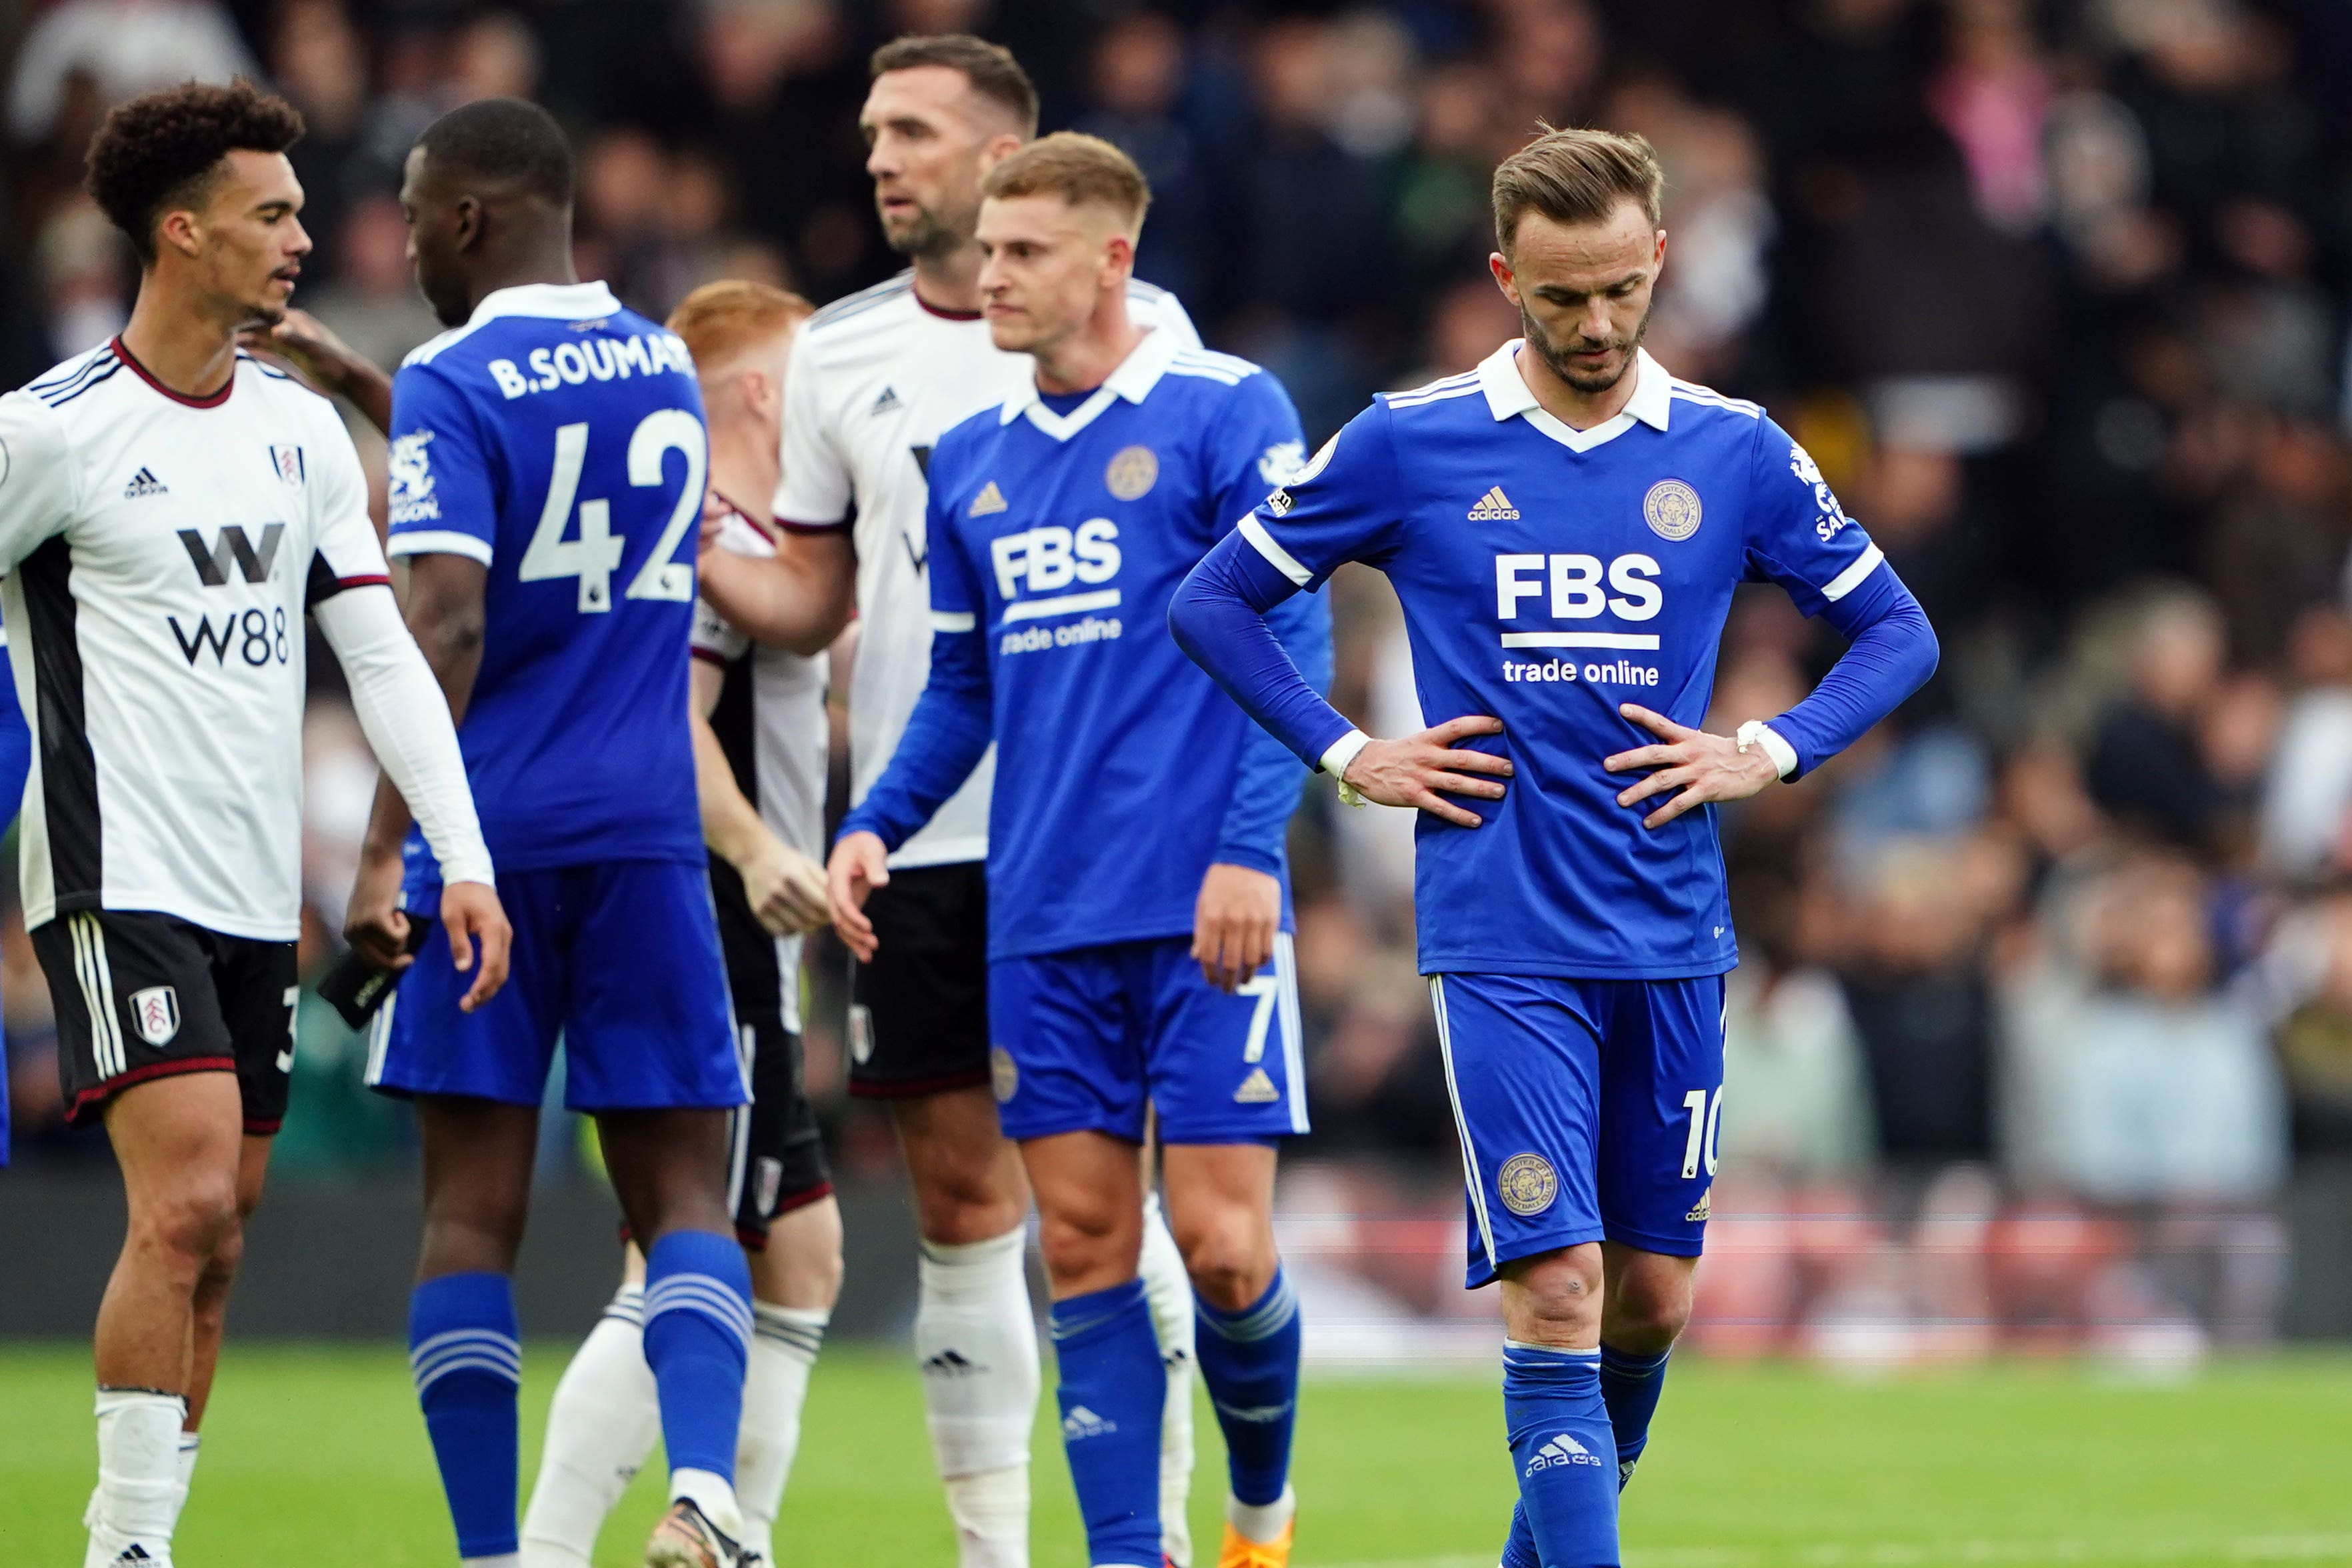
point(558, 439)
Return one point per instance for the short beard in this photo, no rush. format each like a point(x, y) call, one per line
point(1584, 380)
point(928, 239)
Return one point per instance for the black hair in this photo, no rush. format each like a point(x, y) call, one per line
point(507, 139)
point(156, 152)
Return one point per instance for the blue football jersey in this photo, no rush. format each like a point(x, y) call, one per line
point(1057, 542)
point(558, 438)
point(1548, 575)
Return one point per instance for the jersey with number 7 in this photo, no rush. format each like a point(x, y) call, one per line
point(558, 439)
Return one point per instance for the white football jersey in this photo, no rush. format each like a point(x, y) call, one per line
point(160, 551)
point(771, 723)
point(875, 380)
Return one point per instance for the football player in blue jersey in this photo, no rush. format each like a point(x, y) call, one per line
point(1139, 949)
point(547, 465)
point(1565, 526)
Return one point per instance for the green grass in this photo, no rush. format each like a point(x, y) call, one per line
point(317, 1456)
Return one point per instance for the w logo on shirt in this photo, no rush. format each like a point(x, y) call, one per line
point(232, 548)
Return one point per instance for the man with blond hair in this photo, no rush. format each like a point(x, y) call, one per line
point(1565, 526)
point(760, 768)
point(878, 378)
point(1139, 949)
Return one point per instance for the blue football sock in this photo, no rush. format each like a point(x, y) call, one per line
point(1519, 1550)
point(466, 1354)
point(1562, 1447)
point(1249, 1359)
point(1112, 1386)
point(1630, 1385)
point(697, 1338)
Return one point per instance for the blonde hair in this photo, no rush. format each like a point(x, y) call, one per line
point(721, 320)
point(1077, 168)
point(1575, 177)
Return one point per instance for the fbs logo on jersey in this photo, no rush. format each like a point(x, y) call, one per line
point(144, 484)
point(155, 1013)
point(1257, 1089)
point(1527, 1184)
point(988, 501)
point(1494, 507)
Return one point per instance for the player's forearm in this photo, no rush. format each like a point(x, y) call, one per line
point(1892, 654)
point(797, 600)
point(1266, 780)
point(408, 727)
point(945, 738)
point(731, 824)
point(1219, 618)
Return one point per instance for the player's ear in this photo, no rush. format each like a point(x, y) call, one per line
point(1500, 266)
point(998, 148)
point(181, 231)
point(466, 222)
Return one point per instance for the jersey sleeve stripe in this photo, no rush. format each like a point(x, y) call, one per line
point(791, 525)
point(710, 655)
point(438, 541)
point(1847, 581)
point(954, 621)
point(59, 399)
point(1276, 556)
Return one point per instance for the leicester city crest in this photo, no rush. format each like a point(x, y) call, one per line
point(1671, 510)
point(1528, 1185)
point(1133, 473)
point(1004, 1074)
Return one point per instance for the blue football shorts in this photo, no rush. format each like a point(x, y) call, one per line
point(618, 960)
point(1588, 1109)
point(1085, 1040)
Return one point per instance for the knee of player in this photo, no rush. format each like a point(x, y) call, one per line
point(193, 1220)
point(1077, 1244)
point(1561, 1290)
point(1646, 1317)
point(1230, 1261)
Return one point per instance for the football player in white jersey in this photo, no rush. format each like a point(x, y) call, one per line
point(169, 508)
point(875, 379)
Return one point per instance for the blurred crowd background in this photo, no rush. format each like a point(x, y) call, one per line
point(2043, 1034)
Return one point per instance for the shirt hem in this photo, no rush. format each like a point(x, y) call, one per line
point(133, 901)
point(1576, 969)
point(1074, 941)
point(943, 852)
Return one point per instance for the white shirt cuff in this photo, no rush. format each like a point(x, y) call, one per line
point(1755, 732)
point(1336, 758)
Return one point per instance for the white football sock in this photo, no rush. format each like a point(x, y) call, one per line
point(976, 1341)
point(600, 1427)
point(190, 1442)
point(713, 1493)
point(138, 1498)
point(784, 1342)
point(1170, 1291)
point(1261, 1522)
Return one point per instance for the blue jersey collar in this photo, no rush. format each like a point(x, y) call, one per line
point(1137, 375)
point(1509, 396)
point(553, 302)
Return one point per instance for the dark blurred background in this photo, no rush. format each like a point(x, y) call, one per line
point(2043, 1037)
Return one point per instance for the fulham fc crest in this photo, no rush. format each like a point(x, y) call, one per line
point(156, 1014)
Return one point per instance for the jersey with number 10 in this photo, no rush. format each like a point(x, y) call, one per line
point(558, 438)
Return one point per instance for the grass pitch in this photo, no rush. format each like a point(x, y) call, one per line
point(318, 1455)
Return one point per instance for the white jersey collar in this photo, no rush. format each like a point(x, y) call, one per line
point(553, 302)
point(1508, 396)
point(1134, 378)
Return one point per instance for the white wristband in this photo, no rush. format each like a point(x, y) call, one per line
point(1755, 732)
point(1336, 758)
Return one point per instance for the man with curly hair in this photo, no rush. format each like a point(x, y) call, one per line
point(170, 510)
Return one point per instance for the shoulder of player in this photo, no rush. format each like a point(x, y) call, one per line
point(69, 383)
point(283, 385)
point(854, 316)
point(1208, 364)
point(1706, 402)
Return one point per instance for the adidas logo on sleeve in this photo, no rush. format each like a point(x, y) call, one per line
point(1494, 507)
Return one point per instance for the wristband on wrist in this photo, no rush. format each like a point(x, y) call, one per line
point(1336, 758)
